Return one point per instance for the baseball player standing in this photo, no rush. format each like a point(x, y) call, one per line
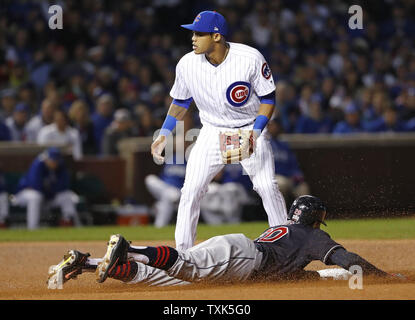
point(232, 86)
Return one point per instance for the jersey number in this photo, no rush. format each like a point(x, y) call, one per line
point(273, 234)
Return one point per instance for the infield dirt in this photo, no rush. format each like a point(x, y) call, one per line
point(24, 267)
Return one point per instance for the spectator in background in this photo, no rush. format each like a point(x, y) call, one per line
point(4, 131)
point(4, 202)
point(406, 104)
point(26, 95)
point(157, 103)
point(44, 118)
point(18, 75)
point(379, 103)
point(286, 103)
point(389, 121)
point(365, 103)
point(327, 90)
point(17, 123)
point(351, 123)
point(127, 93)
point(288, 173)
point(165, 188)
point(121, 127)
point(47, 182)
point(79, 116)
point(102, 117)
point(305, 99)
point(98, 54)
point(62, 134)
point(7, 103)
point(315, 121)
point(145, 121)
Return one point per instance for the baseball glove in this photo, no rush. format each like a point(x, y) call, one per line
point(236, 146)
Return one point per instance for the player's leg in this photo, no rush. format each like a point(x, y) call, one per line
point(166, 196)
point(164, 209)
point(75, 263)
point(231, 257)
point(261, 169)
point(211, 205)
point(154, 277)
point(285, 185)
point(222, 258)
point(234, 198)
point(203, 164)
point(66, 201)
point(301, 189)
point(32, 200)
point(4, 207)
point(160, 189)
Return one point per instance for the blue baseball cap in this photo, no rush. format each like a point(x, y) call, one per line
point(54, 153)
point(21, 107)
point(351, 108)
point(208, 21)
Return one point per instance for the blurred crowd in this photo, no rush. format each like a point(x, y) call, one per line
point(107, 74)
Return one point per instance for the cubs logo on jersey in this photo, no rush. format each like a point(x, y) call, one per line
point(266, 71)
point(238, 93)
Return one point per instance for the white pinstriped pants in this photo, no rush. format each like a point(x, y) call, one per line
point(205, 162)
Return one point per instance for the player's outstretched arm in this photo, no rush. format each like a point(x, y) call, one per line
point(174, 114)
point(346, 259)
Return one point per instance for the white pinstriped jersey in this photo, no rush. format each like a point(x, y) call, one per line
point(226, 95)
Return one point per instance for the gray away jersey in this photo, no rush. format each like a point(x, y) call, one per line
point(226, 95)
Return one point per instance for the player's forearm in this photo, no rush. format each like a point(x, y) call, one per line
point(266, 110)
point(264, 114)
point(346, 259)
point(177, 111)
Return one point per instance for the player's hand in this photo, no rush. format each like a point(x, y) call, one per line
point(254, 134)
point(249, 148)
point(157, 148)
point(237, 146)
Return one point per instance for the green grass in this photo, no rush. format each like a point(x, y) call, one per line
point(394, 228)
point(380, 228)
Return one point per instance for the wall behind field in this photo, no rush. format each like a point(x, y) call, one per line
point(364, 175)
point(361, 175)
point(357, 176)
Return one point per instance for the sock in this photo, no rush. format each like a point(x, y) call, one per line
point(124, 272)
point(161, 257)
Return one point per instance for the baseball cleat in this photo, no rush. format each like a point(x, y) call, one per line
point(69, 268)
point(117, 253)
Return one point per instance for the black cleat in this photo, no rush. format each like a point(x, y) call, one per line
point(117, 253)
